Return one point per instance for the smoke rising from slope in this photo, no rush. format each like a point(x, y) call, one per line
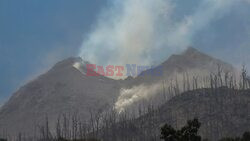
point(145, 31)
point(146, 93)
point(135, 94)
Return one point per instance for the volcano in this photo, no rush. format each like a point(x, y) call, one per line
point(64, 89)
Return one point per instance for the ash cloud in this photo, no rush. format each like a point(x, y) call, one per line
point(145, 32)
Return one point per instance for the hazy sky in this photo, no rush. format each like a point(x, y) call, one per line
point(35, 34)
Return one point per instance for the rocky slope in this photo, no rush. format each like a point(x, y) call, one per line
point(62, 90)
point(190, 61)
point(223, 112)
point(65, 89)
point(177, 74)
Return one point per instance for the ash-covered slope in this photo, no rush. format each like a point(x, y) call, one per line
point(62, 90)
point(65, 89)
point(223, 112)
point(191, 61)
point(177, 74)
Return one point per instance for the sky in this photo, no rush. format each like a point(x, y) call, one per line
point(36, 34)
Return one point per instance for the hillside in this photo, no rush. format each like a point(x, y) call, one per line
point(64, 89)
point(223, 112)
point(177, 72)
point(190, 61)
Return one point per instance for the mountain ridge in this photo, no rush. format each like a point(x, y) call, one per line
point(223, 112)
point(65, 89)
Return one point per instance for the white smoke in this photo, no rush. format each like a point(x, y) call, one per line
point(127, 32)
point(77, 65)
point(145, 32)
point(130, 96)
point(149, 93)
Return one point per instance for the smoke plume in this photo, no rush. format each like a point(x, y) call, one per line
point(146, 31)
point(136, 94)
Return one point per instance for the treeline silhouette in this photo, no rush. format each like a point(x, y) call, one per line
point(140, 124)
point(189, 132)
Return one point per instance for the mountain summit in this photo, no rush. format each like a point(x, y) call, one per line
point(64, 89)
point(191, 61)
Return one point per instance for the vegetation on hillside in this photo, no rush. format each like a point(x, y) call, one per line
point(187, 133)
point(190, 133)
point(113, 126)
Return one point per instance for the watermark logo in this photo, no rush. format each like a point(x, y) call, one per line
point(121, 71)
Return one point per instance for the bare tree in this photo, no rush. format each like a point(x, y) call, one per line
point(244, 77)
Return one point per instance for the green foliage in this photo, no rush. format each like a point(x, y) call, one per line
point(187, 133)
point(3, 139)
